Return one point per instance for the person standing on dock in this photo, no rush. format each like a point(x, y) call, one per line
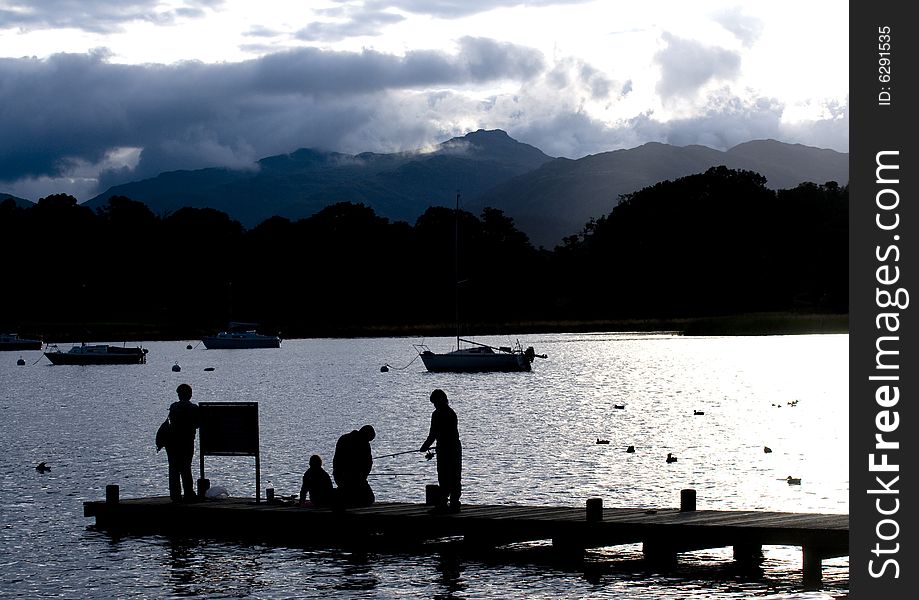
point(180, 449)
point(351, 466)
point(445, 432)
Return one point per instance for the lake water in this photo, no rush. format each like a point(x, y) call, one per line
point(529, 438)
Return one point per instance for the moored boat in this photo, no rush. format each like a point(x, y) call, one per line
point(240, 336)
point(97, 354)
point(12, 341)
point(477, 358)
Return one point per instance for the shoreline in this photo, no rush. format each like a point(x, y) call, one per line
point(753, 324)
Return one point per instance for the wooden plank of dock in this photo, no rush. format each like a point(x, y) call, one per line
point(663, 533)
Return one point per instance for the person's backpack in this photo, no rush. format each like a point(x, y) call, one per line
point(163, 434)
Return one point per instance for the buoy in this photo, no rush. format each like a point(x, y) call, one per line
point(384, 369)
point(630, 449)
point(20, 362)
point(188, 347)
point(767, 449)
point(671, 458)
point(176, 368)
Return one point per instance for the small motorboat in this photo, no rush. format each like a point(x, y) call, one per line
point(97, 354)
point(240, 336)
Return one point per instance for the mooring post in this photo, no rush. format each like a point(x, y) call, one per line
point(595, 509)
point(111, 494)
point(432, 494)
point(687, 500)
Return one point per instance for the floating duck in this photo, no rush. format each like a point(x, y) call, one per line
point(42, 467)
point(208, 368)
point(698, 412)
point(619, 406)
point(792, 403)
point(599, 441)
point(20, 362)
point(630, 449)
point(767, 449)
point(793, 480)
point(384, 369)
point(176, 368)
point(188, 347)
point(670, 457)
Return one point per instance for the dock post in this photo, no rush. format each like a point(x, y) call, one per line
point(687, 500)
point(595, 509)
point(812, 568)
point(111, 494)
point(748, 554)
point(204, 485)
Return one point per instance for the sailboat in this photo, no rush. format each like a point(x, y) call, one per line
point(475, 357)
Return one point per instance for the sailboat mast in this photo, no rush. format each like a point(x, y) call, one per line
point(456, 281)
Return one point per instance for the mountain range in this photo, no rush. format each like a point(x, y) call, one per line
point(548, 198)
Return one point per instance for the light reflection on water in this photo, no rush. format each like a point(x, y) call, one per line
point(528, 438)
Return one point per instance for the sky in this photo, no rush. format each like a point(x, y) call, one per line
point(94, 93)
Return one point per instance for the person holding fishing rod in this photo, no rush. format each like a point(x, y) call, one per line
point(445, 432)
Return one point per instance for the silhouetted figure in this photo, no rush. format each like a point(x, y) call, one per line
point(316, 483)
point(445, 432)
point(351, 465)
point(180, 448)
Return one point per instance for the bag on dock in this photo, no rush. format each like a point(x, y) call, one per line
point(163, 435)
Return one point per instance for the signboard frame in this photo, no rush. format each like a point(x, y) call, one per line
point(230, 429)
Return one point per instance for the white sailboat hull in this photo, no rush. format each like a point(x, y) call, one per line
point(479, 359)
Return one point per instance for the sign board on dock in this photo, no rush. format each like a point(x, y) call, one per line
point(229, 428)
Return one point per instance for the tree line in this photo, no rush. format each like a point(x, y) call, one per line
point(715, 243)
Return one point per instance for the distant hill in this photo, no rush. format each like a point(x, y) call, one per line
point(398, 186)
point(558, 198)
point(20, 202)
point(548, 198)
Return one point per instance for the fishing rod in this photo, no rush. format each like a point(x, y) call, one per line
point(428, 455)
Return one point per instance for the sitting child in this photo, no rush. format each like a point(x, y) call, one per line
point(317, 482)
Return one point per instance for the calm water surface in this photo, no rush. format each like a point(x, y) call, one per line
point(529, 438)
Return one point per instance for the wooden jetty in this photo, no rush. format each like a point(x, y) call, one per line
point(663, 533)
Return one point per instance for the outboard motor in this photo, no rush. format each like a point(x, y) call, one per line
point(529, 353)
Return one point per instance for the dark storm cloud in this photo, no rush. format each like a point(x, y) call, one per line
point(687, 65)
point(73, 107)
point(99, 16)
